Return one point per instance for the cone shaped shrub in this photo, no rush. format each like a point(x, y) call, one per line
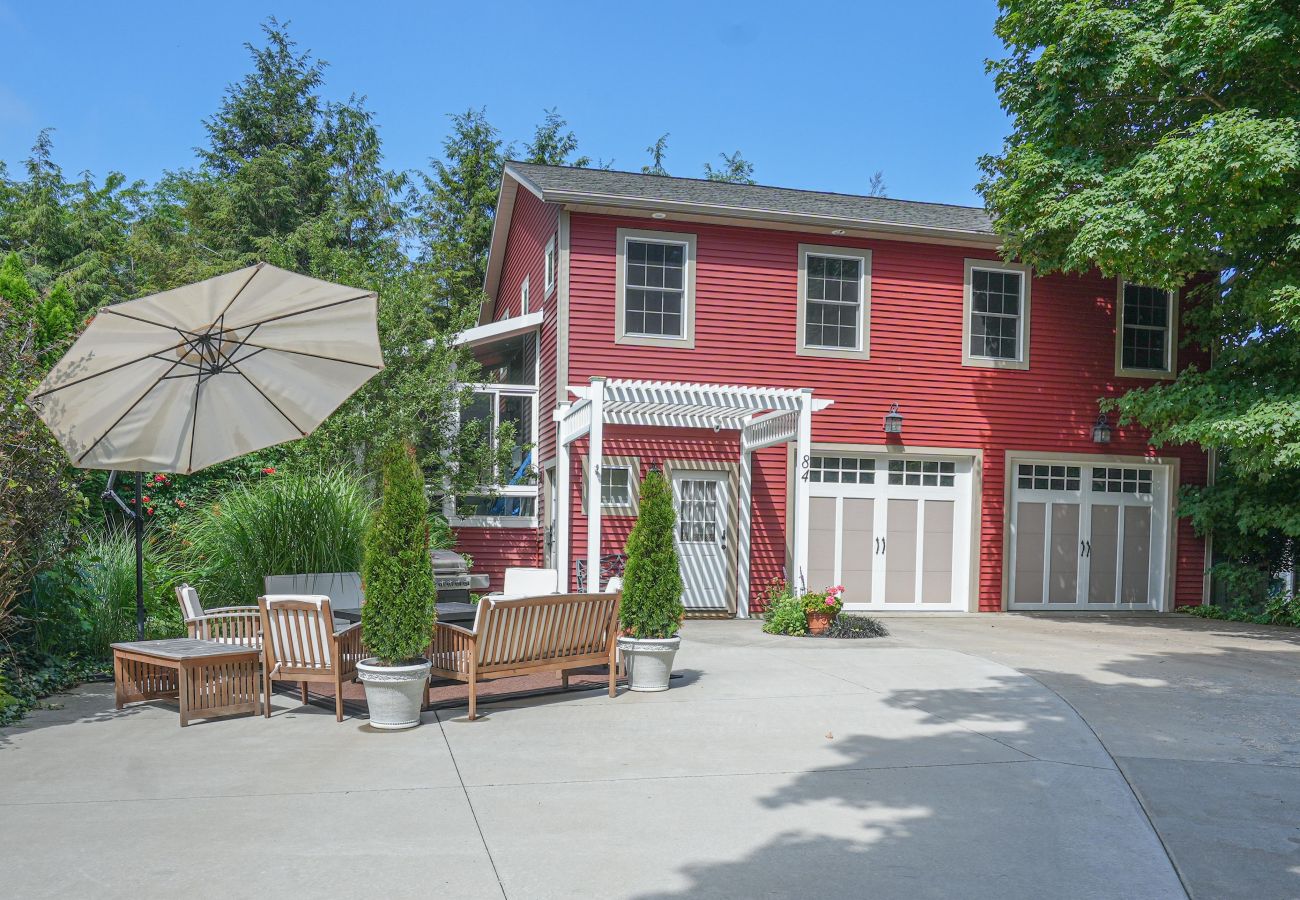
point(397, 574)
point(652, 580)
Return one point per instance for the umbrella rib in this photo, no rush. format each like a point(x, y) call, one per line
point(194, 423)
point(129, 362)
point(312, 355)
point(126, 412)
point(121, 315)
point(302, 312)
point(256, 387)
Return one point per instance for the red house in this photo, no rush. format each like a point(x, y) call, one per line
point(842, 390)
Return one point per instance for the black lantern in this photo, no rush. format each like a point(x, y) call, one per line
point(894, 421)
point(1101, 430)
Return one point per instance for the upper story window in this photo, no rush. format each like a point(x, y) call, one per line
point(655, 288)
point(995, 328)
point(834, 301)
point(549, 266)
point(523, 297)
point(1144, 336)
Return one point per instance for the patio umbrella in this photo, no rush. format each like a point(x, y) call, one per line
point(187, 378)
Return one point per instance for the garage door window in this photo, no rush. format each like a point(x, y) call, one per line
point(1049, 478)
point(922, 472)
point(1121, 481)
point(842, 470)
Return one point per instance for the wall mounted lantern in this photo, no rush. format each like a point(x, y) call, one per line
point(1101, 429)
point(893, 421)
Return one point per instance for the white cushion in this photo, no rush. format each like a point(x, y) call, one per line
point(614, 585)
point(191, 608)
point(531, 582)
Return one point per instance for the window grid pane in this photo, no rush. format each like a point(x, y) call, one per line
point(833, 305)
point(1047, 477)
point(995, 314)
point(654, 293)
point(615, 486)
point(842, 470)
point(1121, 481)
point(922, 473)
point(1146, 328)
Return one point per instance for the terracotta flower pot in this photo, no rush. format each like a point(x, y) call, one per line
point(819, 622)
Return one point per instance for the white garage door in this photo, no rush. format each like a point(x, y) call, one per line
point(1087, 536)
point(895, 531)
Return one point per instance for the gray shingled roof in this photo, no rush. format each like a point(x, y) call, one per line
point(565, 183)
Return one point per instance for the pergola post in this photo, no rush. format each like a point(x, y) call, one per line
point(595, 456)
point(803, 451)
point(563, 502)
point(745, 513)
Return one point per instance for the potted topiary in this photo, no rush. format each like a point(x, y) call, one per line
point(820, 609)
point(401, 601)
point(651, 611)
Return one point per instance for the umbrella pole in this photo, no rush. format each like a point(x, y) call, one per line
point(138, 521)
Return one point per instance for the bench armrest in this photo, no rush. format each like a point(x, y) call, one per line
point(453, 648)
point(243, 626)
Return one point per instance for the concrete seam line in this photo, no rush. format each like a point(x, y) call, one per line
point(1173, 864)
point(1208, 762)
point(472, 811)
point(188, 797)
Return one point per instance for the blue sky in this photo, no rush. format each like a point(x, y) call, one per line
point(817, 95)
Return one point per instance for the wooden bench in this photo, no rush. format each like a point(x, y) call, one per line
point(556, 633)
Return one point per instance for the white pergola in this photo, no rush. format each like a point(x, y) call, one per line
point(763, 416)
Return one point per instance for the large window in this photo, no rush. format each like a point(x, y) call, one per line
point(655, 288)
point(507, 481)
point(1145, 334)
point(996, 310)
point(834, 288)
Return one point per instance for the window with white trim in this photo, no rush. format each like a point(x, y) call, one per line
point(655, 289)
point(995, 327)
point(549, 266)
point(1119, 480)
point(523, 297)
point(834, 287)
point(1040, 477)
point(1146, 320)
point(615, 485)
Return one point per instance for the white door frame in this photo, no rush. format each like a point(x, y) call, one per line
point(1164, 521)
point(964, 495)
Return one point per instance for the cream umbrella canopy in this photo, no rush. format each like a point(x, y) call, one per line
point(178, 381)
point(181, 380)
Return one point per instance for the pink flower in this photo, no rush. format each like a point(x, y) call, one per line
point(830, 601)
point(159, 479)
point(269, 470)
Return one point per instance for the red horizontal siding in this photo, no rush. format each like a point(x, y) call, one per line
point(493, 550)
point(745, 330)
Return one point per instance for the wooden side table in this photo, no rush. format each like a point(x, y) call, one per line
point(207, 678)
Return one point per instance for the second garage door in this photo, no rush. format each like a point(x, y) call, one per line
point(895, 531)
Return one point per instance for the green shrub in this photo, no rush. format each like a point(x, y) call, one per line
point(284, 524)
point(401, 601)
point(652, 580)
point(784, 612)
point(1283, 609)
point(87, 602)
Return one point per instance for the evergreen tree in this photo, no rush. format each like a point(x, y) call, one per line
point(401, 600)
point(553, 144)
point(658, 151)
point(652, 580)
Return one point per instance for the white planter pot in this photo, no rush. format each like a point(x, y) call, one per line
point(394, 693)
point(649, 662)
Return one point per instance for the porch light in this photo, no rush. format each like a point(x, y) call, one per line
point(893, 421)
point(1101, 430)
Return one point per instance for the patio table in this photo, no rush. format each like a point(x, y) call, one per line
point(208, 678)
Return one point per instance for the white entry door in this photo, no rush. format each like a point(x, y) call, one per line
point(703, 516)
point(894, 531)
point(1088, 536)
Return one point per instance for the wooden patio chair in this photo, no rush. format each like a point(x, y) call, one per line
point(561, 632)
point(240, 625)
point(301, 644)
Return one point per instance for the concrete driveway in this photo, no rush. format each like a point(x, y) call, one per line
point(922, 765)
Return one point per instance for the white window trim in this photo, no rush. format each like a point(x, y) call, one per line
point(863, 349)
point(524, 296)
point(1171, 341)
point(550, 263)
point(633, 465)
point(687, 340)
point(508, 490)
point(967, 309)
